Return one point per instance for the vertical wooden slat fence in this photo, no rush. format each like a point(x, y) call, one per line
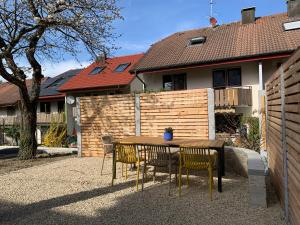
point(283, 135)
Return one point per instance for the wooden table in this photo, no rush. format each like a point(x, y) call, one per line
point(217, 145)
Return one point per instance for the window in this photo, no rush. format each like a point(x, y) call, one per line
point(97, 70)
point(174, 82)
point(11, 111)
point(197, 40)
point(45, 107)
point(61, 106)
point(56, 83)
point(219, 78)
point(234, 77)
point(122, 67)
point(227, 78)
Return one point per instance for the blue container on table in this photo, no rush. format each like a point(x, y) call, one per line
point(168, 136)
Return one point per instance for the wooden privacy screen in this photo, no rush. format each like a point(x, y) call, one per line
point(113, 114)
point(185, 111)
point(283, 134)
point(120, 116)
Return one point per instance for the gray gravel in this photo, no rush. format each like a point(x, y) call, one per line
point(71, 191)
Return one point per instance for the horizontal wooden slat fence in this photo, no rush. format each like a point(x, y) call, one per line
point(113, 114)
point(283, 135)
point(144, 114)
point(185, 111)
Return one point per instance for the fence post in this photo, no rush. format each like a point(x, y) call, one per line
point(137, 113)
point(78, 127)
point(211, 114)
point(284, 148)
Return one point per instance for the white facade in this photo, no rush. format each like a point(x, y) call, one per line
point(202, 78)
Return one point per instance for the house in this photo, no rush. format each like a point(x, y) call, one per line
point(51, 106)
point(234, 59)
point(106, 76)
point(9, 102)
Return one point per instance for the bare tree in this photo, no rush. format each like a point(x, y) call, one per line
point(32, 30)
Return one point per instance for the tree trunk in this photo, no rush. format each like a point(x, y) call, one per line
point(28, 143)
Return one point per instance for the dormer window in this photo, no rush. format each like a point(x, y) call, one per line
point(198, 40)
point(97, 70)
point(120, 68)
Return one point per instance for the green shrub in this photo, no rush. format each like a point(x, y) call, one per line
point(13, 132)
point(252, 139)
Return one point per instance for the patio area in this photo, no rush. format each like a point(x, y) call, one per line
point(71, 191)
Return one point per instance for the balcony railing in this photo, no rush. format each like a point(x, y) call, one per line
point(241, 96)
point(42, 118)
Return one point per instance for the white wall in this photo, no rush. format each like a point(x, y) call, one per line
point(202, 78)
point(136, 86)
point(3, 112)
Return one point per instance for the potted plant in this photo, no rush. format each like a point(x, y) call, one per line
point(168, 135)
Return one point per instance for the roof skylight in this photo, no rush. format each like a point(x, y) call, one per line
point(122, 67)
point(291, 25)
point(197, 40)
point(97, 70)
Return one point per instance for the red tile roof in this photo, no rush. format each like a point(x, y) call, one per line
point(107, 78)
point(264, 37)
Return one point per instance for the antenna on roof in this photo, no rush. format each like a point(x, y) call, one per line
point(211, 8)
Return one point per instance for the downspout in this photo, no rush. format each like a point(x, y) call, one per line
point(144, 84)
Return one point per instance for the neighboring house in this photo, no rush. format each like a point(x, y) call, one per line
point(235, 59)
point(51, 106)
point(9, 102)
point(106, 76)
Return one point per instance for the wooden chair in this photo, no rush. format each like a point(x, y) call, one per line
point(128, 154)
point(160, 156)
point(194, 158)
point(107, 144)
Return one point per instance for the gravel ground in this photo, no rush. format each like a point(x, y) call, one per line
point(71, 191)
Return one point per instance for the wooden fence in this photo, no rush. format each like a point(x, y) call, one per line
point(283, 135)
point(142, 114)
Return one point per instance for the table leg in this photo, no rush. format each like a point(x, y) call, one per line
point(219, 170)
point(170, 171)
point(223, 161)
point(114, 172)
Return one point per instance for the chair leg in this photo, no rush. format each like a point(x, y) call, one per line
point(187, 177)
point(138, 176)
point(154, 173)
point(179, 181)
point(103, 163)
point(210, 182)
point(176, 177)
point(126, 167)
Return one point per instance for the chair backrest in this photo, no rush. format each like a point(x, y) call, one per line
point(156, 152)
point(196, 155)
point(107, 139)
point(126, 153)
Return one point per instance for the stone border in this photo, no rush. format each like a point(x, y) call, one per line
point(249, 163)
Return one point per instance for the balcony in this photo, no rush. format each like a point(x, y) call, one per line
point(42, 118)
point(228, 97)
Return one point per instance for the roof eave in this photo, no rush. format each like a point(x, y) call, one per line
point(281, 54)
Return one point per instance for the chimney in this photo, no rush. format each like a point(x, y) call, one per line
point(293, 8)
point(101, 58)
point(213, 22)
point(248, 15)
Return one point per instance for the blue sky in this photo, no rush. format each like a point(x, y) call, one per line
point(147, 21)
